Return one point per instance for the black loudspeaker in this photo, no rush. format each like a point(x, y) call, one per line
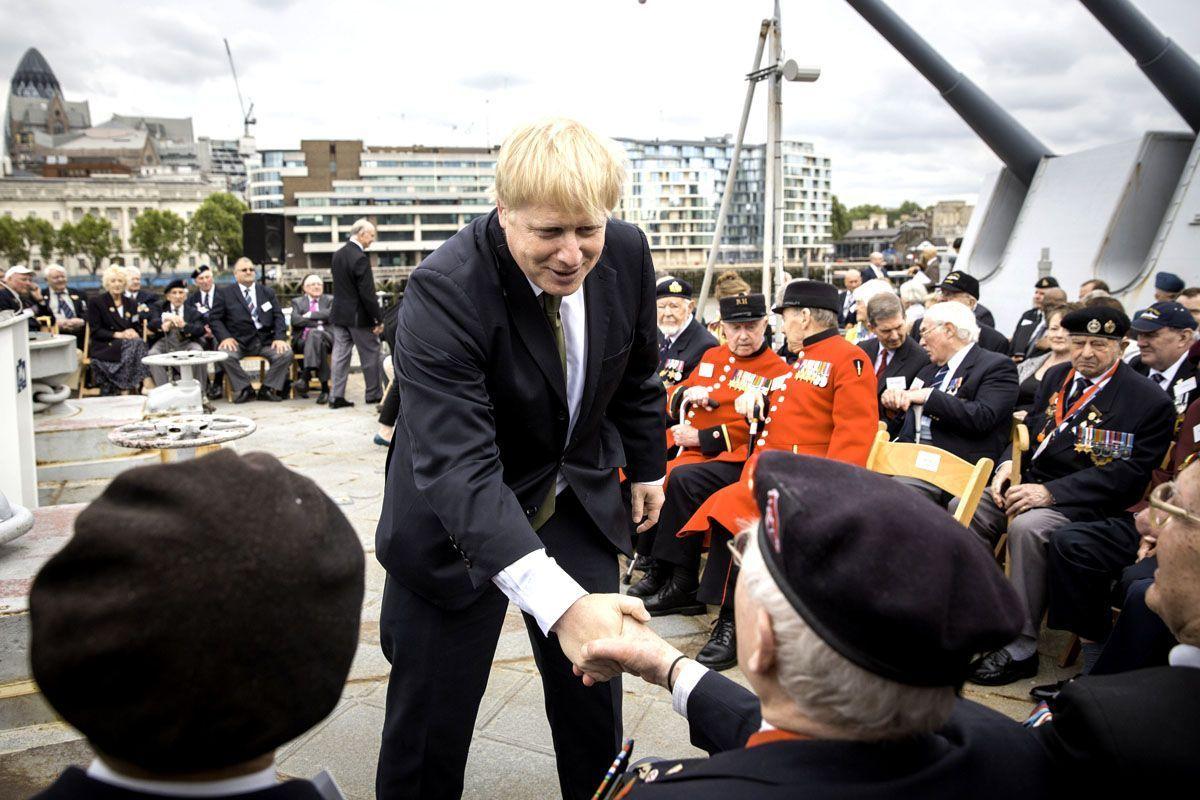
point(262, 238)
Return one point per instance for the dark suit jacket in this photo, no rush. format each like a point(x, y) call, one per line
point(845, 317)
point(229, 317)
point(193, 320)
point(1084, 490)
point(1129, 733)
point(1022, 337)
point(193, 299)
point(1186, 371)
point(300, 322)
point(354, 301)
point(976, 421)
point(11, 301)
point(74, 784)
point(977, 753)
point(104, 320)
point(485, 416)
point(906, 362)
point(689, 347)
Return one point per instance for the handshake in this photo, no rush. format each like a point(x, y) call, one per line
point(604, 635)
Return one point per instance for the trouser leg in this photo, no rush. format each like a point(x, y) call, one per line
point(1084, 560)
point(1028, 534)
point(342, 342)
point(720, 575)
point(440, 661)
point(989, 521)
point(238, 378)
point(690, 485)
point(367, 344)
point(1139, 639)
point(159, 374)
point(279, 364)
point(926, 488)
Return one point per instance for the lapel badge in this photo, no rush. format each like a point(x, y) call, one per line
point(858, 366)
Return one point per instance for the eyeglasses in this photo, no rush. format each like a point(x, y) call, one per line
point(737, 547)
point(1162, 507)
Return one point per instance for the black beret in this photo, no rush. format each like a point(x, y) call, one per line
point(203, 614)
point(882, 574)
point(196, 272)
point(1168, 282)
point(673, 287)
point(1102, 321)
point(1165, 314)
point(959, 281)
point(1047, 282)
point(802, 293)
point(743, 307)
point(175, 284)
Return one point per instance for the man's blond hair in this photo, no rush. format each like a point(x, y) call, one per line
point(562, 164)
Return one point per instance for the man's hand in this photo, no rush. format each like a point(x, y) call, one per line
point(750, 404)
point(35, 292)
point(685, 435)
point(73, 324)
point(640, 651)
point(697, 396)
point(894, 399)
point(1149, 540)
point(229, 345)
point(916, 397)
point(647, 502)
point(279, 346)
point(1000, 483)
point(1025, 497)
point(596, 616)
point(378, 329)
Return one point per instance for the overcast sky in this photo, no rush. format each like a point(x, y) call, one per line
point(466, 71)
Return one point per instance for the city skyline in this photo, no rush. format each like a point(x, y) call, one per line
point(666, 69)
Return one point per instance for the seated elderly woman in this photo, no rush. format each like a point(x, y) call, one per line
point(858, 331)
point(914, 296)
point(310, 335)
point(1031, 370)
point(117, 348)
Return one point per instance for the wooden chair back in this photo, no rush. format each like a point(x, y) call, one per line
point(943, 469)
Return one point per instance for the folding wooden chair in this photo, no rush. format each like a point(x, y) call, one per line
point(943, 469)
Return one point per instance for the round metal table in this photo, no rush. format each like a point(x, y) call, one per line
point(183, 433)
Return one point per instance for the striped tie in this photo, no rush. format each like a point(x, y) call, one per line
point(252, 307)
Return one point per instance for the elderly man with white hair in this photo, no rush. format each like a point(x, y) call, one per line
point(68, 305)
point(963, 401)
point(855, 633)
point(19, 292)
point(355, 319)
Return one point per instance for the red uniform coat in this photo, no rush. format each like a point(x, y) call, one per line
point(825, 406)
point(724, 433)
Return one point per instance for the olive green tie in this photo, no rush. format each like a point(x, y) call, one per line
point(550, 305)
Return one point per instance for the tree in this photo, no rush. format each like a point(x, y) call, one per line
point(65, 243)
point(12, 242)
point(159, 236)
point(216, 228)
point(40, 233)
point(839, 221)
point(95, 240)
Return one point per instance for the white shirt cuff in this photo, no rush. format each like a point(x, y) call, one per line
point(658, 482)
point(690, 673)
point(539, 587)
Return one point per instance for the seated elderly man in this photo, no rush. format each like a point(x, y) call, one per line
point(896, 358)
point(962, 401)
point(959, 287)
point(180, 327)
point(1098, 430)
point(311, 336)
point(1138, 732)
point(19, 292)
point(855, 636)
point(68, 305)
point(857, 330)
point(188, 639)
point(1166, 332)
point(682, 339)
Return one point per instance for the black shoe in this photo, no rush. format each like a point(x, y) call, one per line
point(677, 596)
point(1049, 691)
point(373, 402)
point(301, 389)
point(269, 394)
point(721, 650)
point(998, 668)
point(656, 575)
point(340, 402)
point(215, 391)
point(322, 398)
point(244, 396)
point(643, 563)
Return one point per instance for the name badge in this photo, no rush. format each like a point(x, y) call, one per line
point(266, 306)
point(706, 369)
point(896, 383)
point(918, 383)
point(1026, 322)
point(203, 309)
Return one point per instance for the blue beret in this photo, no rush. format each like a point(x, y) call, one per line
point(1168, 282)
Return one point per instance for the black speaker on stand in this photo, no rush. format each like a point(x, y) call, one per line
point(262, 238)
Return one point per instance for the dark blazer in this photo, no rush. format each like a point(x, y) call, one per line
point(844, 316)
point(1082, 488)
point(485, 416)
point(976, 420)
point(689, 347)
point(978, 752)
point(193, 299)
point(1022, 338)
point(229, 317)
point(11, 301)
point(300, 321)
point(1129, 733)
point(193, 320)
point(1187, 370)
point(74, 784)
point(145, 297)
point(354, 301)
point(104, 320)
point(906, 362)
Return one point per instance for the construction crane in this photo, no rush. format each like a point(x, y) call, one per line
point(247, 116)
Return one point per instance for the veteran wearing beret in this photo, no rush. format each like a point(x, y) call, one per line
point(188, 640)
point(682, 339)
point(855, 635)
point(1167, 286)
point(180, 327)
point(709, 409)
point(1098, 429)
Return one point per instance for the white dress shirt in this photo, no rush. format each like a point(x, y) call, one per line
point(1168, 373)
point(206, 300)
point(243, 784)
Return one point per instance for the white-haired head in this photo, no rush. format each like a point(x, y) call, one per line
point(956, 314)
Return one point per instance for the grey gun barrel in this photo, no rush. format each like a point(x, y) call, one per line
point(1172, 71)
point(1019, 149)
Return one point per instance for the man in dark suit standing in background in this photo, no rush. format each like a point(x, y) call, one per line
point(1032, 324)
point(682, 340)
point(355, 319)
point(526, 355)
point(247, 321)
point(895, 357)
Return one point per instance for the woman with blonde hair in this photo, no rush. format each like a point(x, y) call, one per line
point(117, 347)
